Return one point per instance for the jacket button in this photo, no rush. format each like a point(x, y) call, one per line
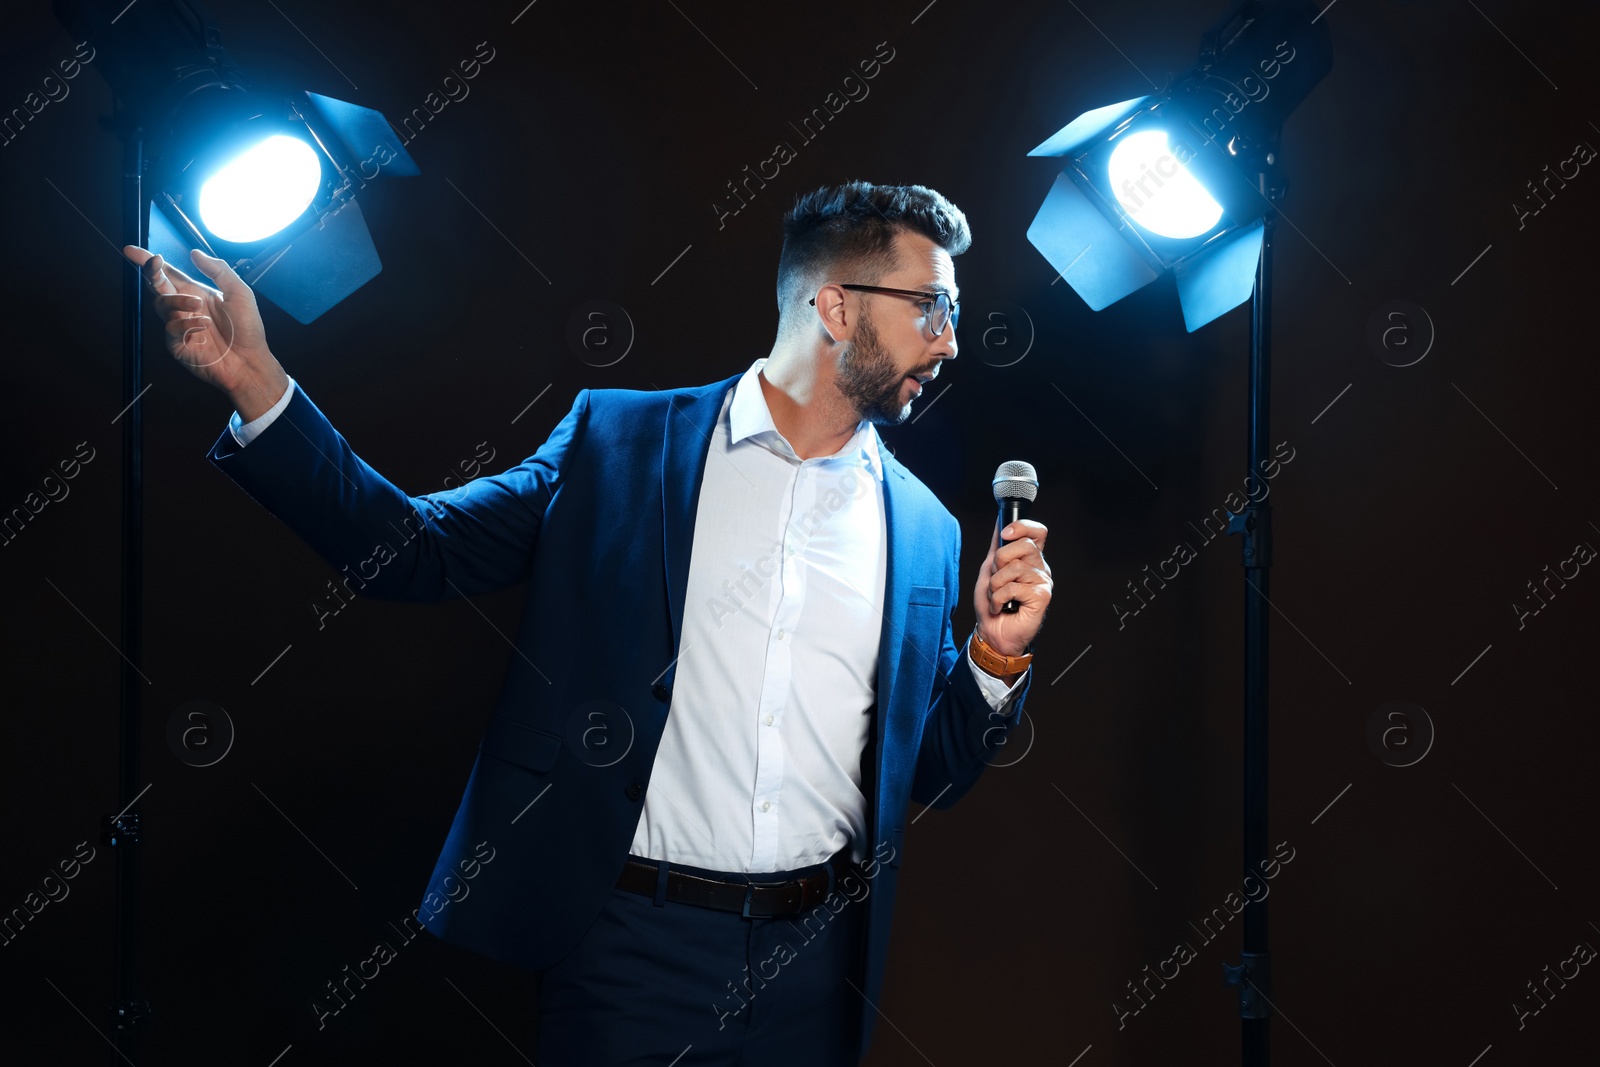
point(635, 790)
point(660, 692)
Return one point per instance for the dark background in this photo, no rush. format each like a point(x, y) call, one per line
point(593, 146)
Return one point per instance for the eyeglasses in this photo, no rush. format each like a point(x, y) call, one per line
point(939, 310)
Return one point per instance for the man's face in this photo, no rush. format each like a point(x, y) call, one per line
point(891, 346)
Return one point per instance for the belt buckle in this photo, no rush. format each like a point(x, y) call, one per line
point(750, 895)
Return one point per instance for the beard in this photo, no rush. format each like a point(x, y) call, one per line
point(869, 379)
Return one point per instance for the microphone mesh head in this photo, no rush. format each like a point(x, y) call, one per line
point(1015, 478)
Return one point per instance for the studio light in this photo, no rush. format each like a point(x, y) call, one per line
point(1173, 181)
point(269, 183)
point(265, 179)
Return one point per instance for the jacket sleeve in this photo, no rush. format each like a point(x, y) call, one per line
point(961, 733)
point(459, 542)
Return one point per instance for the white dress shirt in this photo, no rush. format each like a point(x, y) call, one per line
point(759, 765)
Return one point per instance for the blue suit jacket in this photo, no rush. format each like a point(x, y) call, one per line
point(599, 523)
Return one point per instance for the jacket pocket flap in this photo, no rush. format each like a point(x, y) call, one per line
point(522, 745)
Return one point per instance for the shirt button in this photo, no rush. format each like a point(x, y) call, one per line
point(766, 805)
point(780, 635)
point(769, 720)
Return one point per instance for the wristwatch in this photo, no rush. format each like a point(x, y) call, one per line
point(989, 660)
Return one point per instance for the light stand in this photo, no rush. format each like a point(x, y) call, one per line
point(1253, 975)
point(121, 831)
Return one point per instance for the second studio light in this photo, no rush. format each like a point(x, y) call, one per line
point(1172, 181)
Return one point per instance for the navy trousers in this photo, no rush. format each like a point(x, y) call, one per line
point(664, 984)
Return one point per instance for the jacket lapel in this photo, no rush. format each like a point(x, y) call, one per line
point(899, 532)
point(691, 420)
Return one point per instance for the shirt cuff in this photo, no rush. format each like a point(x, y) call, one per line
point(994, 690)
point(245, 432)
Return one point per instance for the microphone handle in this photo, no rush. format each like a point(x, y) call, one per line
point(1012, 508)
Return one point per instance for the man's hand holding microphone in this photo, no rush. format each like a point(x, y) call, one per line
point(1014, 585)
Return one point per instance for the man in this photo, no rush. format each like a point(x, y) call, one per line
point(735, 668)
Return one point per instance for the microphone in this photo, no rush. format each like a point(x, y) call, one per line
point(1016, 485)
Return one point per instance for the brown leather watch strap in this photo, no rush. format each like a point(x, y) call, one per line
point(989, 660)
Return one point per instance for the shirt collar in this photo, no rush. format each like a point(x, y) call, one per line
point(749, 416)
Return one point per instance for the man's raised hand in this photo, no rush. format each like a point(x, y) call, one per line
point(214, 331)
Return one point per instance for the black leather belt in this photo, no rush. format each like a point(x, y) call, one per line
point(747, 895)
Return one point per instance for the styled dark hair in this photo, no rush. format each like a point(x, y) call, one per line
point(850, 229)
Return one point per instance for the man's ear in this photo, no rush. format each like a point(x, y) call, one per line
point(827, 309)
